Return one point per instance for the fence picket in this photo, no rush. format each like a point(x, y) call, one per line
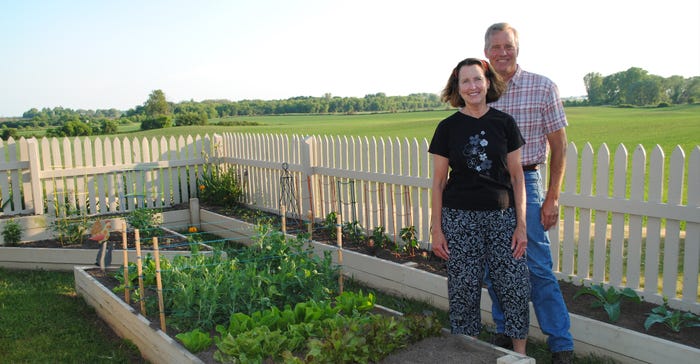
point(672, 228)
point(653, 242)
point(584, 231)
point(634, 246)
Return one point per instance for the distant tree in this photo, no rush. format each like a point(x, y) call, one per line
point(594, 88)
point(108, 126)
point(158, 122)
point(191, 118)
point(70, 128)
point(156, 104)
point(9, 132)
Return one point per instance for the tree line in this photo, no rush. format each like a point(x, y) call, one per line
point(633, 87)
point(638, 88)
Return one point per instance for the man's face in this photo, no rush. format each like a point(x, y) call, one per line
point(503, 53)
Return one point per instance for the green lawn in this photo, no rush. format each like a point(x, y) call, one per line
point(42, 320)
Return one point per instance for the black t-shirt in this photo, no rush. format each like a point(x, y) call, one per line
point(477, 150)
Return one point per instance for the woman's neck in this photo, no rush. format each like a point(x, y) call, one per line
point(475, 111)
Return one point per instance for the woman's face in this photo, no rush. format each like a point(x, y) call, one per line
point(473, 84)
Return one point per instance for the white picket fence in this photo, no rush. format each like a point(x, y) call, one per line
point(634, 237)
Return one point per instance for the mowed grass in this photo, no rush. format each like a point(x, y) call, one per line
point(42, 320)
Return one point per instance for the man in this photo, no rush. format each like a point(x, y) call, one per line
point(533, 100)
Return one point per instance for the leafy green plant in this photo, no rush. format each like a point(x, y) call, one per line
point(609, 299)
point(71, 230)
point(203, 290)
point(12, 232)
point(321, 333)
point(674, 320)
point(329, 224)
point(195, 340)
point(379, 236)
point(218, 185)
point(146, 220)
point(409, 236)
point(353, 231)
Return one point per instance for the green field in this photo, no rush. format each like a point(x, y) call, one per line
point(667, 127)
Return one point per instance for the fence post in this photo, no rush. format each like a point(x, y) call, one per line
point(308, 162)
point(35, 176)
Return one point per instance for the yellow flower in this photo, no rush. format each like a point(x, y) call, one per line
point(201, 187)
point(192, 229)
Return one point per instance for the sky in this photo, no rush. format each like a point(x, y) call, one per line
point(112, 54)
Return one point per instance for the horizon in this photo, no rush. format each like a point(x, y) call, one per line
point(100, 56)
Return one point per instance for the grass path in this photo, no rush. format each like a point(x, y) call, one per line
point(42, 320)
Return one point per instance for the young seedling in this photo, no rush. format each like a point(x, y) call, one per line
point(674, 320)
point(609, 299)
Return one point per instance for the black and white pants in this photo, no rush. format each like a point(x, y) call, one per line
point(476, 239)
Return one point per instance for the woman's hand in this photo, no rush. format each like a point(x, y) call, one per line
point(519, 241)
point(439, 245)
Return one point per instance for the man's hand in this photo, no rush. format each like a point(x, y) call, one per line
point(549, 215)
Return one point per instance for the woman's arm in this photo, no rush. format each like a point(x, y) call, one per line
point(517, 180)
point(440, 168)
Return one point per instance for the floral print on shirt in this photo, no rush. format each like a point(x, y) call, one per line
point(475, 154)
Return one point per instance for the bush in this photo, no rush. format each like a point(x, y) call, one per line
point(219, 186)
point(157, 123)
point(12, 233)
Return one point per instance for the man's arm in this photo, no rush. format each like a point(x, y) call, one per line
point(557, 165)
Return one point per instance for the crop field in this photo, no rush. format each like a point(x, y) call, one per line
point(667, 127)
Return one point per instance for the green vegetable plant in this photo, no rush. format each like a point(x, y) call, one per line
point(353, 232)
point(146, 220)
point(218, 185)
point(12, 232)
point(408, 235)
point(379, 237)
point(71, 229)
point(609, 299)
point(195, 340)
point(329, 224)
point(674, 320)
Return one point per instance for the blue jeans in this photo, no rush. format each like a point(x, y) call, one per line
point(545, 294)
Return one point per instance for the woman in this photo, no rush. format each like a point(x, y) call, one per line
point(478, 212)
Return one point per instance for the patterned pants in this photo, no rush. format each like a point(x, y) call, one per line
point(476, 239)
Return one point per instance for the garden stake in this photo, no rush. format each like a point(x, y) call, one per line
point(126, 264)
point(159, 285)
point(310, 225)
point(139, 268)
point(367, 217)
point(311, 199)
point(283, 211)
point(339, 234)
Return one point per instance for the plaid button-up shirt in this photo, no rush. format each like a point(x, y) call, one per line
point(533, 100)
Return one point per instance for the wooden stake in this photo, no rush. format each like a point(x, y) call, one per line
point(339, 236)
point(139, 267)
point(283, 211)
point(311, 200)
point(127, 285)
point(159, 285)
point(310, 226)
